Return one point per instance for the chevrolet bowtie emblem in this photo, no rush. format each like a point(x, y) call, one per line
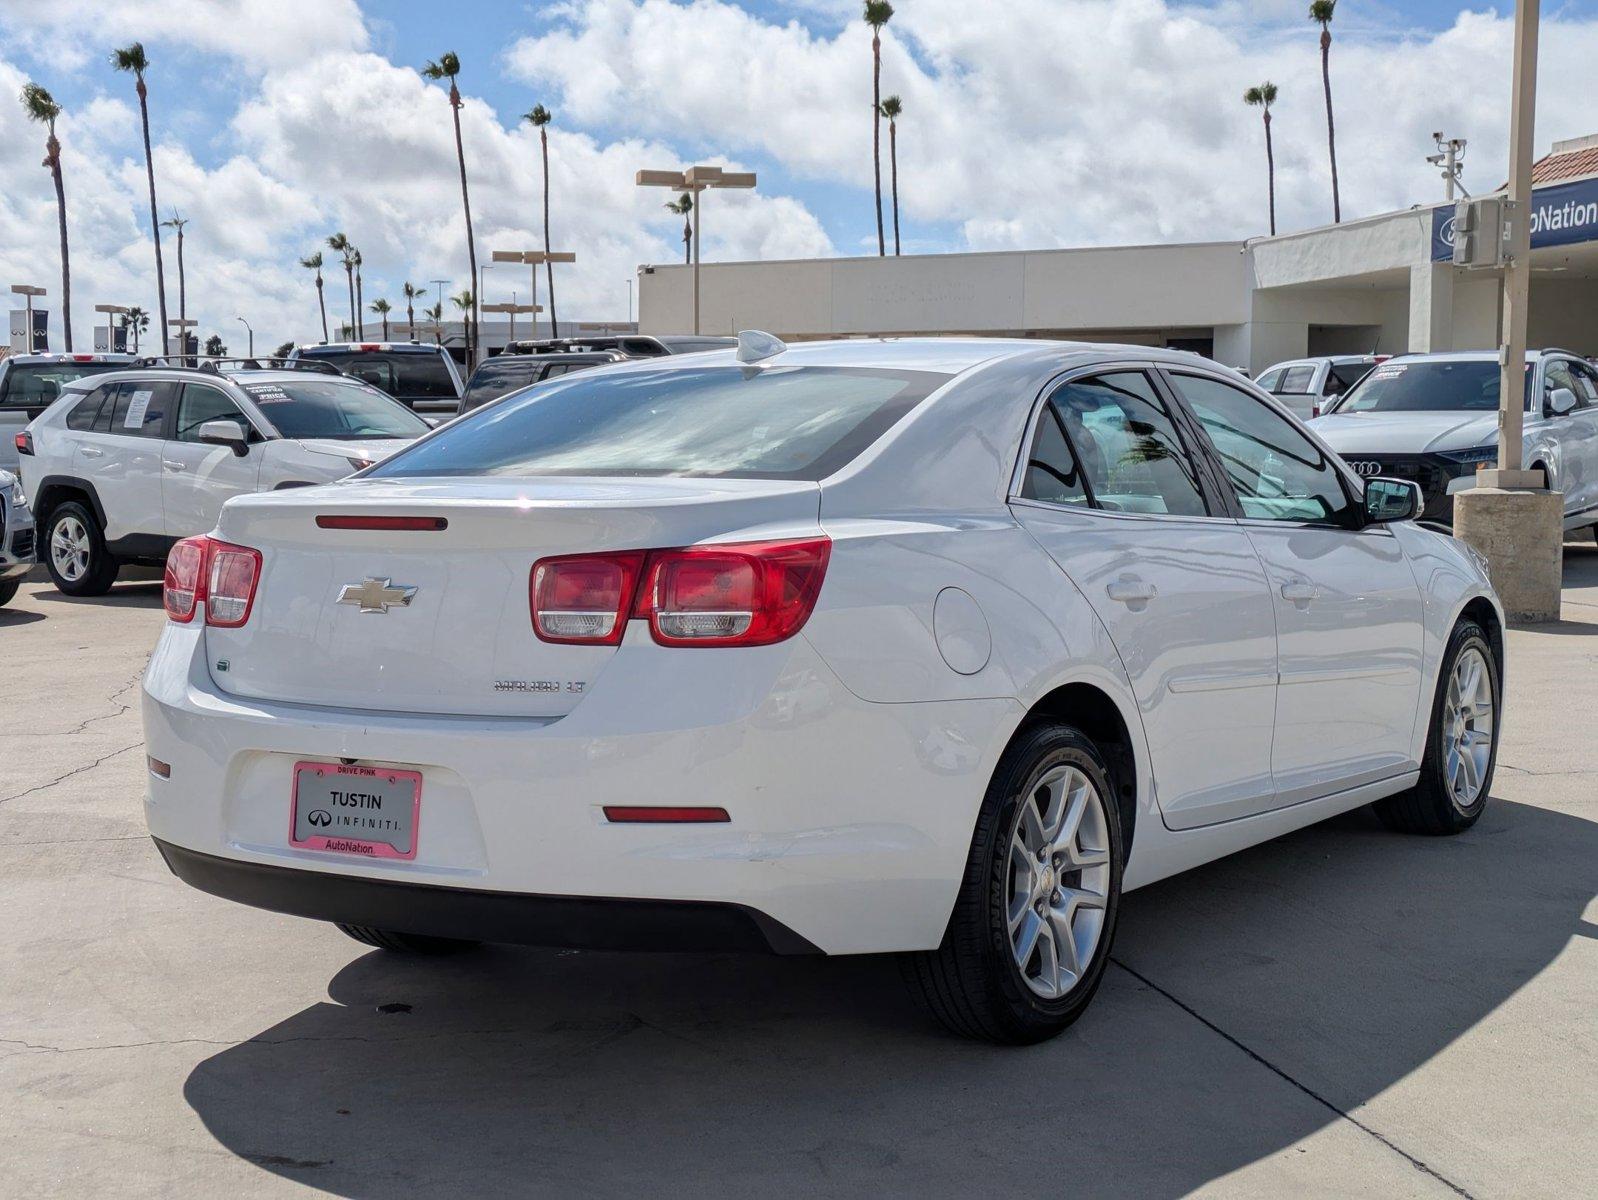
point(376, 595)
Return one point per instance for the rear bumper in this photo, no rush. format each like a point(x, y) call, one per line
point(850, 821)
point(570, 922)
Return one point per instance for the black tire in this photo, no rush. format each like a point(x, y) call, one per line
point(8, 591)
point(971, 983)
point(1429, 807)
point(102, 568)
point(406, 943)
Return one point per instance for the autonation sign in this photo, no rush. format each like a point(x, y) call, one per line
point(1560, 216)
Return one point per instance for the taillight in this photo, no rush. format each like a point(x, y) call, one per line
point(218, 574)
point(24, 443)
point(584, 599)
point(740, 594)
point(748, 594)
point(230, 586)
point(184, 584)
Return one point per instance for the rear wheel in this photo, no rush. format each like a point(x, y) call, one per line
point(8, 591)
point(1462, 745)
point(1030, 934)
point(406, 943)
point(75, 553)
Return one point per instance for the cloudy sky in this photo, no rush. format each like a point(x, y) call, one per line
point(1028, 123)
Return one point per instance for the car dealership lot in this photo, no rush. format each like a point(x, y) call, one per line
point(1344, 1011)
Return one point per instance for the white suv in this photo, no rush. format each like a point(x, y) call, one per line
point(1309, 386)
point(125, 464)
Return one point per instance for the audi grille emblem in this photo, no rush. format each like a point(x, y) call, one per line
point(1366, 468)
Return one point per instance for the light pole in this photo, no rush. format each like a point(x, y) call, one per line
point(29, 291)
point(110, 311)
point(696, 180)
point(534, 259)
point(513, 308)
point(1510, 516)
point(183, 325)
point(629, 300)
point(246, 325)
point(1447, 159)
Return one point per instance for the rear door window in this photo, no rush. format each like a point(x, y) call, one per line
point(420, 376)
point(1270, 380)
point(1297, 381)
point(36, 385)
point(84, 411)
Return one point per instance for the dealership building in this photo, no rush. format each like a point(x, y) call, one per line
point(1384, 283)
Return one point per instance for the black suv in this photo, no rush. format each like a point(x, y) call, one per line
point(506, 373)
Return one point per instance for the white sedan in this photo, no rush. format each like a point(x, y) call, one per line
point(930, 646)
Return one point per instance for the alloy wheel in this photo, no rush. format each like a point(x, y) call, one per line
point(1467, 730)
point(70, 549)
point(1058, 881)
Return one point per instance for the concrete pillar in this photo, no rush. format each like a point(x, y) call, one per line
point(1431, 308)
point(1521, 535)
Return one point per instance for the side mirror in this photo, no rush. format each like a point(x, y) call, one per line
point(1388, 500)
point(1561, 402)
point(226, 433)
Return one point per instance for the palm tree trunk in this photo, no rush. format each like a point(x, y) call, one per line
point(687, 242)
point(893, 161)
point(183, 299)
point(549, 267)
point(349, 276)
point(360, 304)
point(54, 148)
point(321, 303)
point(466, 204)
point(1270, 163)
point(385, 327)
point(876, 132)
point(1331, 128)
point(410, 317)
point(155, 221)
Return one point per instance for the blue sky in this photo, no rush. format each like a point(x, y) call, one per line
point(1036, 123)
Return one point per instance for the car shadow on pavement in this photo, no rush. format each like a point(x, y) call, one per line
point(1251, 1003)
point(122, 595)
point(18, 616)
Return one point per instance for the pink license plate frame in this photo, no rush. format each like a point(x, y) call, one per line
point(356, 847)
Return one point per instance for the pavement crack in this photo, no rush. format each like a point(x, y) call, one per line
point(65, 775)
point(113, 698)
point(1419, 1164)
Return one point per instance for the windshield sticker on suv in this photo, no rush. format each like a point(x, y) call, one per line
point(137, 407)
point(1389, 372)
point(267, 393)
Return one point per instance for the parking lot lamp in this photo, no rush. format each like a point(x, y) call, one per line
point(183, 325)
point(28, 291)
point(1510, 516)
point(534, 259)
point(513, 308)
point(247, 326)
point(696, 180)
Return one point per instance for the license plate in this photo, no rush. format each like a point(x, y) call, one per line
point(370, 812)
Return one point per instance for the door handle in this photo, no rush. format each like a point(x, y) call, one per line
point(1134, 593)
point(1300, 591)
point(91, 452)
point(170, 465)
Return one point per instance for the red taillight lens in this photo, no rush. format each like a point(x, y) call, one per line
point(220, 575)
point(183, 587)
point(748, 594)
point(230, 586)
point(24, 443)
point(583, 599)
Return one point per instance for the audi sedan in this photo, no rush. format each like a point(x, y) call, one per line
point(928, 646)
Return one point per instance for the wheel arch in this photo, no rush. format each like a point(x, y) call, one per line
point(56, 489)
point(1095, 712)
point(1481, 610)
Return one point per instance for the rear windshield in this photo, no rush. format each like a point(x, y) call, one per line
point(31, 385)
point(772, 423)
point(1427, 387)
point(307, 408)
point(504, 374)
point(419, 376)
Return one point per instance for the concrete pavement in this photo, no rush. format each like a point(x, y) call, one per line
point(1345, 1012)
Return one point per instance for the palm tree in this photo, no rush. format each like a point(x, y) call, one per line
point(877, 14)
point(313, 262)
point(1264, 96)
point(466, 304)
point(360, 295)
point(178, 223)
point(341, 244)
point(283, 351)
point(411, 290)
point(41, 107)
point(132, 58)
point(540, 118)
point(891, 109)
point(136, 320)
point(214, 346)
point(448, 66)
point(435, 314)
point(382, 308)
point(682, 206)
point(1320, 11)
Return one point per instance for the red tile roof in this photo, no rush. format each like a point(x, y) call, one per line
point(1573, 164)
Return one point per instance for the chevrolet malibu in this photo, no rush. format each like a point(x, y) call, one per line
point(935, 647)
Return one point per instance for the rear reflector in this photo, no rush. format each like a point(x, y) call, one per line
point(157, 767)
point(419, 523)
point(639, 815)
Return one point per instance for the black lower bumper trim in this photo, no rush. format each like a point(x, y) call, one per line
point(568, 922)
